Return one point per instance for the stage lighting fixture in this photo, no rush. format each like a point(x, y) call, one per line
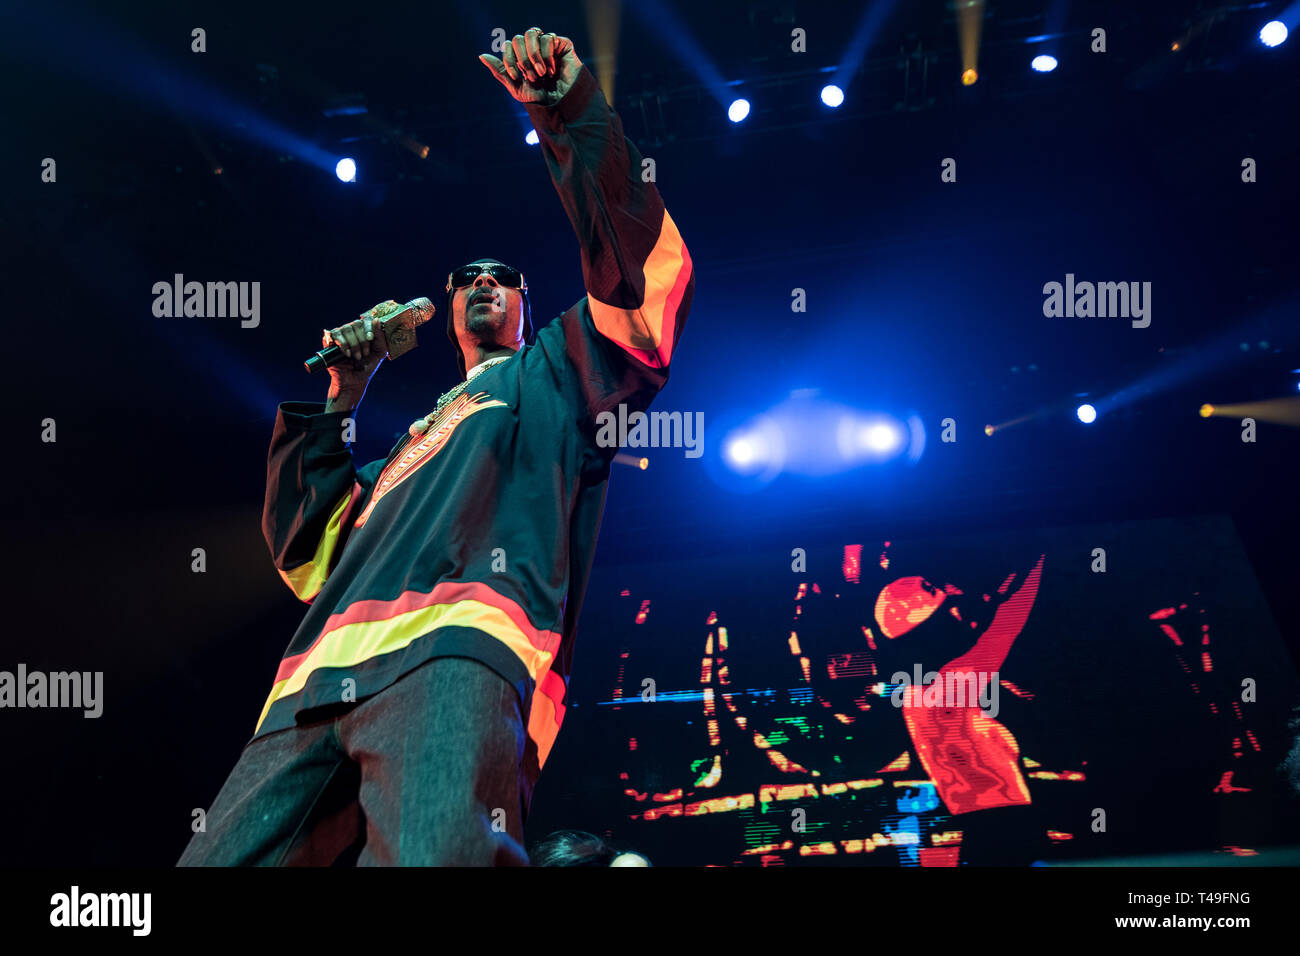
point(880, 438)
point(873, 437)
point(1273, 33)
point(742, 451)
point(346, 170)
point(1087, 414)
point(969, 76)
point(1043, 63)
point(832, 95)
point(738, 110)
point(531, 139)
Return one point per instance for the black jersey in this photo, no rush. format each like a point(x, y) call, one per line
point(476, 538)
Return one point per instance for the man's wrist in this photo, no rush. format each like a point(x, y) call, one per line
point(569, 106)
point(343, 402)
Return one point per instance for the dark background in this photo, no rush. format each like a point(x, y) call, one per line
point(923, 296)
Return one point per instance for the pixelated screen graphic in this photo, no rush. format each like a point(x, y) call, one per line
point(1021, 698)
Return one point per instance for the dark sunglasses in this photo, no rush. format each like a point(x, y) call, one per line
point(507, 276)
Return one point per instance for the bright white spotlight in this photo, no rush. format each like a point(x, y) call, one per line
point(1087, 414)
point(346, 170)
point(738, 110)
point(531, 139)
point(880, 438)
point(1273, 33)
point(868, 437)
point(832, 95)
point(742, 451)
point(1043, 63)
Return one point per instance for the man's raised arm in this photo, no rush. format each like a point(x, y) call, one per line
point(635, 266)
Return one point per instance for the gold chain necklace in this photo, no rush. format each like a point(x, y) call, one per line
point(421, 425)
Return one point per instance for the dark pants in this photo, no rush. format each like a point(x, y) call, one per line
point(424, 773)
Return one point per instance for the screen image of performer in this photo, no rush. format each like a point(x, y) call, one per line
point(416, 705)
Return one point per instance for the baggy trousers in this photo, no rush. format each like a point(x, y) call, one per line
point(416, 775)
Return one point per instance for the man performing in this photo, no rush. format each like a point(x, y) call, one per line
point(417, 703)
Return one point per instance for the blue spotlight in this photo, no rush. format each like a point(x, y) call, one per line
point(744, 451)
point(531, 139)
point(738, 110)
point(871, 437)
point(1087, 414)
point(1043, 63)
point(832, 95)
point(1273, 33)
point(346, 170)
point(881, 438)
point(755, 449)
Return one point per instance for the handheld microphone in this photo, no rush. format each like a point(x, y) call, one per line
point(399, 333)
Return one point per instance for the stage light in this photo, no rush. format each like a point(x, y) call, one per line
point(1087, 414)
point(738, 110)
point(1283, 411)
point(1274, 33)
point(415, 146)
point(531, 139)
point(623, 458)
point(1043, 63)
point(869, 438)
point(970, 23)
point(881, 438)
point(743, 450)
point(988, 430)
point(346, 170)
point(832, 95)
point(751, 450)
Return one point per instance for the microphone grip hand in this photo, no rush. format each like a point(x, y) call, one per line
point(364, 347)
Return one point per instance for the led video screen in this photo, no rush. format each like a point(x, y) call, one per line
point(1015, 698)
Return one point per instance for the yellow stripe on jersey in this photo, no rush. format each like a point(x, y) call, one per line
point(643, 329)
point(306, 580)
point(359, 641)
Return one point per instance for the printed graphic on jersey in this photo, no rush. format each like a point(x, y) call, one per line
point(429, 445)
